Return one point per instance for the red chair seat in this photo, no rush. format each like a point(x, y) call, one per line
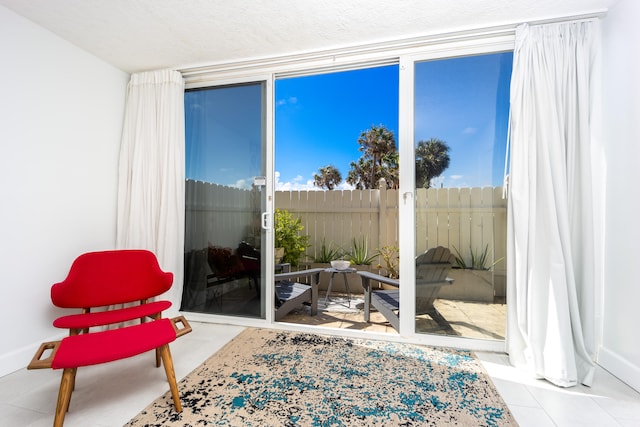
point(107, 346)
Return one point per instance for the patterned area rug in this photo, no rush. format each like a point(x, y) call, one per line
point(274, 378)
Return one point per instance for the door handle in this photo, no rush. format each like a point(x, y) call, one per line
point(266, 223)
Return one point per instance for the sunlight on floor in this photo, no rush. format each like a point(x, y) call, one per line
point(467, 319)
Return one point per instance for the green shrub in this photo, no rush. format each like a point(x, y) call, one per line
point(391, 257)
point(288, 235)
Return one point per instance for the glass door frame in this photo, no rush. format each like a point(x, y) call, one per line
point(267, 267)
point(406, 213)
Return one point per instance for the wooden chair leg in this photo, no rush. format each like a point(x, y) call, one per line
point(155, 317)
point(64, 395)
point(167, 361)
point(73, 382)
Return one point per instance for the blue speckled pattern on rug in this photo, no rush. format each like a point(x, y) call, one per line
point(274, 378)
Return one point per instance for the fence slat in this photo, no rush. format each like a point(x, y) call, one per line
point(432, 218)
point(421, 220)
point(443, 217)
point(499, 229)
point(455, 219)
point(487, 224)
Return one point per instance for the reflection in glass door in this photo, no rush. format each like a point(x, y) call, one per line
point(225, 197)
point(460, 132)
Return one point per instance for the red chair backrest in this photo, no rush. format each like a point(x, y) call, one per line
point(98, 279)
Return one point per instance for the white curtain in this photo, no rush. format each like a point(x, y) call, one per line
point(151, 172)
point(551, 231)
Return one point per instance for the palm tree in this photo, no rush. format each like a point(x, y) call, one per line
point(390, 169)
point(359, 172)
point(379, 159)
point(328, 177)
point(432, 158)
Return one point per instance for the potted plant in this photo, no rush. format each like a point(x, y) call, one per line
point(474, 280)
point(391, 258)
point(288, 235)
point(278, 254)
point(360, 259)
point(478, 259)
point(328, 254)
point(323, 259)
point(359, 254)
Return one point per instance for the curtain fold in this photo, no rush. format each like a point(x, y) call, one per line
point(151, 172)
point(551, 230)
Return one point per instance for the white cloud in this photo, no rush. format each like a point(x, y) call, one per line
point(437, 182)
point(299, 183)
point(290, 100)
point(295, 186)
point(345, 186)
point(461, 181)
point(242, 183)
point(469, 131)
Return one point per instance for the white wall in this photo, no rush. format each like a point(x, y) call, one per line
point(620, 352)
point(61, 115)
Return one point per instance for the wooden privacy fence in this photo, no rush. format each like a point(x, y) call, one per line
point(466, 219)
point(220, 215)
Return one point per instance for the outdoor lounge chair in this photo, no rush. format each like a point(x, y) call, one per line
point(228, 266)
point(290, 294)
point(432, 268)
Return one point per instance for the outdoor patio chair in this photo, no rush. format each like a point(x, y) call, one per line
point(229, 266)
point(99, 284)
point(432, 268)
point(291, 294)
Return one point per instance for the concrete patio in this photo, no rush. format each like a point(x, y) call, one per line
point(467, 319)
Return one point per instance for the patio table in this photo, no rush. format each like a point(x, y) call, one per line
point(332, 272)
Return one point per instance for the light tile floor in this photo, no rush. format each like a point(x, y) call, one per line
point(112, 394)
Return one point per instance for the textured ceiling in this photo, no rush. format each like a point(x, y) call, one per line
point(137, 35)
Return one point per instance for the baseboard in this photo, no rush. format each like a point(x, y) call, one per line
point(20, 358)
point(620, 367)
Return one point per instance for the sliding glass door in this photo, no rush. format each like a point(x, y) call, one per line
point(397, 158)
point(225, 198)
point(460, 117)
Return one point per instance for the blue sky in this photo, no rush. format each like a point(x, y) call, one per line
point(224, 135)
point(465, 102)
point(319, 118)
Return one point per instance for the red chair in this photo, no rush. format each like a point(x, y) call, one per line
point(103, 280)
